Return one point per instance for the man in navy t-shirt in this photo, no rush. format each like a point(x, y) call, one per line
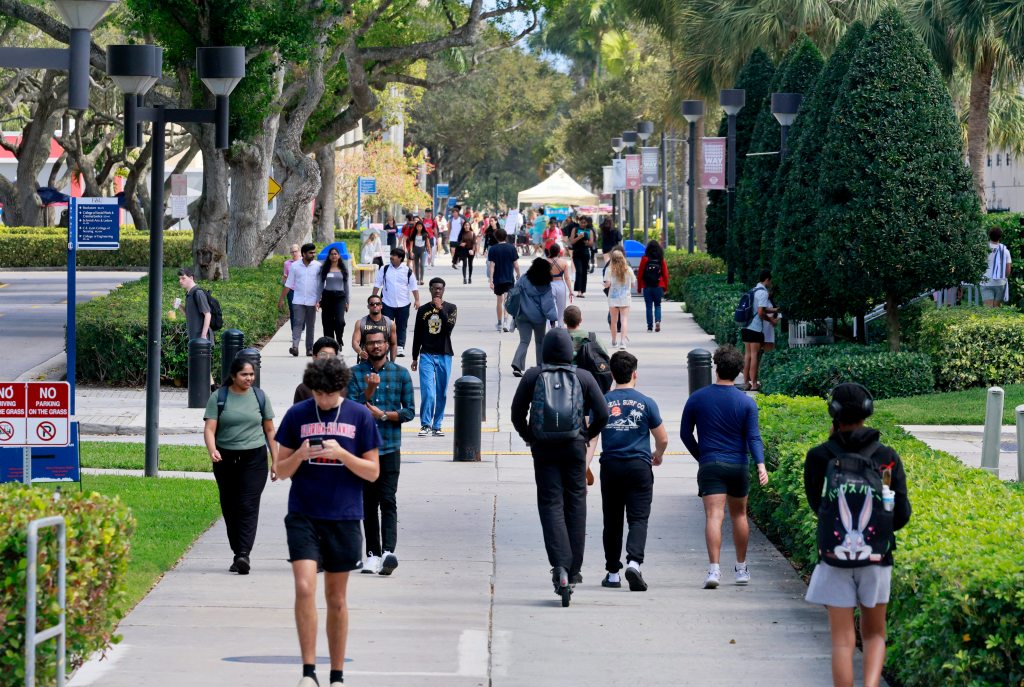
point(328, 449)
point(627, 480)
point(502, 272)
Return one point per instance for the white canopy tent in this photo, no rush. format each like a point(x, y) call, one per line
point(558, 188)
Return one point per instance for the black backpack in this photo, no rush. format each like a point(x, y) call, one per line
point(854, 530)
point(556, 412)
point(652, 273)
point(591, 358)
point(744, 312)
point(216, 314)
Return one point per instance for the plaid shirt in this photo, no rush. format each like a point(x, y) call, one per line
point(394, 393)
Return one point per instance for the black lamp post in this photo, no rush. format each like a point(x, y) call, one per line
point(732, 101)
point(135, 69)
point(629, 139)
point(643, 132)
point(80, 16)
point(693, 111)
point(617, 145)
point(785, 107)
point(495, 195)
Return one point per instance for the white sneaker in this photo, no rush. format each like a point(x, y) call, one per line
point(401, 351)
point(712, 579)
point(307, 682)
point(388, 563)
point(742, 574)
point(424, 431)
point(373, 565)
point(497, 327)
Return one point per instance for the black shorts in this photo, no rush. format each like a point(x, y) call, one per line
point(337, 544)
point(750, 336)
point(719, 477)
point(502, 289)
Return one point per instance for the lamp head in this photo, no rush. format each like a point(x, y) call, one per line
point(693, 110)
point(644, 130)
point(617, 144)
point(785, 107)
point(629, 138)
point(732, 100)
point(221, 68)
point(134, 68)
point(82, 14)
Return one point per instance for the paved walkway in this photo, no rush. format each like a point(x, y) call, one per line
point(471, 603)
point(965, 442)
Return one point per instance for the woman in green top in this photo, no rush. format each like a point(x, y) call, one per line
point(239, 428)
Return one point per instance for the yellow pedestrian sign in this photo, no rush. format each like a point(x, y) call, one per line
point(273, 188)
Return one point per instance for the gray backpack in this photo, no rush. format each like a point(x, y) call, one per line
point(556, 412)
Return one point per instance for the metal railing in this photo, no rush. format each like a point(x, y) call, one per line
point(32, 637)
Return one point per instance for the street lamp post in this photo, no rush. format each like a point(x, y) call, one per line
point(785, 107)
point(617, 145)
point(693, 110)
point(135, 69)
point(643, 132)
point(664, 191)
point(629, 139)
point(732, 101)
point(495, 195)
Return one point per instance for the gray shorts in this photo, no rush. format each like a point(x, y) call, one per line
point(850, 587)
point(992, 292)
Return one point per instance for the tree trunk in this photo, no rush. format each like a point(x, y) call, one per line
point(977, 122)
point(324, 214)
point(892, 320)
point(251, 166)
point(862, 328)
point(133, 191)
point(210, 222)
point(21, 208)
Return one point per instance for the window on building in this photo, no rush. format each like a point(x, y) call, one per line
point(989, 160)
point(999, 159)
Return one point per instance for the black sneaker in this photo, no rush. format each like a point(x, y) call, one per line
point(294, 351)
point(424, 431)
point(234, 567)
point(635, 580)
point(242, 563)
point(437, 433)
point(606, 582)
point(577, 579)
point(516, 372)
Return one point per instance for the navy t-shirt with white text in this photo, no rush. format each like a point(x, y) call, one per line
point(328, 490)
point(631, 417)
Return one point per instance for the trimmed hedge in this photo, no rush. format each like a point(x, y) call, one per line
point(973, 346)
point(956, 608)
point(712, 302)
point(112, 328)
point(683, 265)
point(815, 370)
point(51, 250)
point(18, 231)
point(98, 534)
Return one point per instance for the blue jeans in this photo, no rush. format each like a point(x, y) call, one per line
point(434, 373)
point(652, 296)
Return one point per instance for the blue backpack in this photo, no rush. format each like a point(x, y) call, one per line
point(514, 299)
point(744, 312)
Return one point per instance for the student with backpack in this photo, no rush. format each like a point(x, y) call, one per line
point(858, 489)
point(653, 283)
point(755, 314)
point(548, 412)
point(397, 287)
point(531, 304)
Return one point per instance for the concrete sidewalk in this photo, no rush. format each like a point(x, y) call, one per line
point(965, 442)
point(471, 602)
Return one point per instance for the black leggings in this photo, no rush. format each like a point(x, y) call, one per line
point(467, 263)
point(241, 477)
point(332, 309)
point(580, 261)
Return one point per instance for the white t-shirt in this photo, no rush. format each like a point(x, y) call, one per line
point(395, 285)
point(760, 301)
point(513, 221)
point(998, 261)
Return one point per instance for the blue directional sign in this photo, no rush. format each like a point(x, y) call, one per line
point(49, 463)
point(94, 223)
point(367, 184)
point(441, 190)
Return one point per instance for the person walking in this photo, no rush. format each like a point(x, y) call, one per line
point(397, 287)
point(324, 347)
point(561, 285)
point(627, 477)
point(540, 222)
point(432, 344)
point(752, 334)
point(238, 428)
point(726, 422)
point(468, 246)
point(619, 280)
point(442, 235)
point(653, 283)
point(610, 238)
point(198, 315)
point(295, 254)
point(333, 297)
point(391, 231)
point(552, 235)
point(386, 390)
point(418, 246)
point(994, 287)
point(581, 240)
point(558, 445)
point(536, 312)
point(455, 231)
point(317, 439)
point(430, 224)
point(304, 282)
point(372, 250)
point(854, 569)
point(374, 321)
point(502, 272)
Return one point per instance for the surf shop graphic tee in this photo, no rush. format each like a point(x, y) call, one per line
point(631, 417)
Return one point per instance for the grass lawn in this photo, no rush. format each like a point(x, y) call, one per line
point(951, 408)
point(170, 515)
point(109, 454)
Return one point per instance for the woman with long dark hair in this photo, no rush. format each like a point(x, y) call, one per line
point(391, 227)
point(536, 312)
point(653, 283)
point(418, 247)
point(333, 301)
point(580, 241)
point(561, 286)
point(468, 243)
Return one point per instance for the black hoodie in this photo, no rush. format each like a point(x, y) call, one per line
point(558, 350)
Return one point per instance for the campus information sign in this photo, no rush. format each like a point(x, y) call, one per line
point(94, 223)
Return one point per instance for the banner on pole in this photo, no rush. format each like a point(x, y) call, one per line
point(609, 179)
point(649, 166)
point(632, 172)
point(713, 174)
point(619, 175)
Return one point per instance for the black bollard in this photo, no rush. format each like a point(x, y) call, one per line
point(231, 342)
point(469, 395)
point(252, 356)
point(474, 364)
point(200, 354)
point(698, 366)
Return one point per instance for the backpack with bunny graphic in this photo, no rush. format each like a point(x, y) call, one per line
point(854, 529)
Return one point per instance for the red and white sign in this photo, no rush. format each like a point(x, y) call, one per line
point(713, 174)
point(34, 413)
point(632, 172)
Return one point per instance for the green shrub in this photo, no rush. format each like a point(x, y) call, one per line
point(712, 302)
point(973, 346)
point(346, 234)
point(815, 370)
point(956, 608)
point(683, 265)
point(18, 231)
point(98, 531)
point(51, 250)
point(112, 329)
